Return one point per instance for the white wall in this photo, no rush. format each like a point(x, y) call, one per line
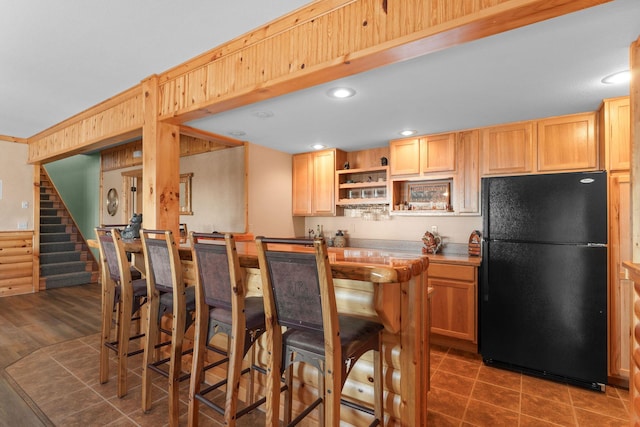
point(454, 229)
point(270, 200)
point(17, 186)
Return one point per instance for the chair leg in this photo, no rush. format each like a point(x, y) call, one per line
point(124, 331)
point(288, 395)
point(105, 336)
point(175, 365)
point(197, 366)
point(234, 371)
point(274, 350)
point(150, 352)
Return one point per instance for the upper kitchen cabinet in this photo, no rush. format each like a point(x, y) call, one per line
point(314, 182)
point(467, 181)
point(567, 143)
point(556, 144)
point(615, 133)
point(404, 156)
point(426, 155)
point(438, 153)
point(508, 149)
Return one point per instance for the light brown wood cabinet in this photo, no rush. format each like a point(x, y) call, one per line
point(467, 181)
point(454, 304)
point(425, 155)
point(615, 133)
point(313, 182)
point(404, 156)
point(556, 144)
point(508, 149)
point(620, 285)
point(567, 143)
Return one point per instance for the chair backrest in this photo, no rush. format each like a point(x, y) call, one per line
point(108, 256)
point(161, 259)
point(216, 265)
point(297, 285)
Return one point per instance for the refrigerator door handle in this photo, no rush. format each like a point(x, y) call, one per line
point(596, 245)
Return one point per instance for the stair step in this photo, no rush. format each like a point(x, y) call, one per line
point(55, 237)
point(44, 196)
point(55, 257)
point(53, 228)
point(49, 212)
point(46, 204)
point(48, 270)
point(68, 279)
point(57, 247)
point(50, 220)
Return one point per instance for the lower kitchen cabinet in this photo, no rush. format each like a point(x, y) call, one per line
point(454, 304)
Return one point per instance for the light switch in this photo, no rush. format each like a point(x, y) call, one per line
point(25, 204)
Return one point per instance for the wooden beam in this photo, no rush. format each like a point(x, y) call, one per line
point(320, 42)
point(13, 139)
point(325, 44)
point(209, 136)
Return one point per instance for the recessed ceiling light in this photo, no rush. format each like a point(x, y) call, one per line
point(318, 146)
point(263, 114)
point(617, 78)
point(237, 133)
point(341, 92)
point(408, 132)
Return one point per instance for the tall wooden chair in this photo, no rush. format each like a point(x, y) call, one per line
point(222, 307)
point(299, 295)
point(122, 294)
point(167, 294)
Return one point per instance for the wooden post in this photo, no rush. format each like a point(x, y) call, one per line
point(634, 98)
point(160, 165)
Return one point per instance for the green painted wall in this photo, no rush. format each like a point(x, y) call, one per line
point(77, 179)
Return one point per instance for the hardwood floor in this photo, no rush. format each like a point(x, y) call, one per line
point(30, 322)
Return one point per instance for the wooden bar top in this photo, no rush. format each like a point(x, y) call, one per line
point(369, 265)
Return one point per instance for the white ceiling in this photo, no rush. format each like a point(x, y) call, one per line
point(60, 58)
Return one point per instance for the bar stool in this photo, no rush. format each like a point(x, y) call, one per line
point(222, 307)
point(299, 294)
point(123, 295)
point(167, 294)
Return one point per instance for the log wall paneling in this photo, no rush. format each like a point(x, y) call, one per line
point(16, 263)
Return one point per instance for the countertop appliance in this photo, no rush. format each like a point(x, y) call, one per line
point(543, 285)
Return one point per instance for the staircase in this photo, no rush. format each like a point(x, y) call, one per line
point(65, 259)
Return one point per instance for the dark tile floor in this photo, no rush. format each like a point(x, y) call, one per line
point(465, 392)
point(62, 380)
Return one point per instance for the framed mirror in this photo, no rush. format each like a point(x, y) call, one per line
point(185, 194)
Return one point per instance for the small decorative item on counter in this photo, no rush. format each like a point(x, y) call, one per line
point(432, 243)
point(339, 241)
point(346, 165)
point(474, 243)
point(132, 230)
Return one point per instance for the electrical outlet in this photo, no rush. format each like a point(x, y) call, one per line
point(434, 229)
point(22, 225)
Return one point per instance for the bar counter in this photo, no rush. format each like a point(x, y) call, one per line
point(387, 287)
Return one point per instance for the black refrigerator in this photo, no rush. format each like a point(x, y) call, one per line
point(543, 279)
